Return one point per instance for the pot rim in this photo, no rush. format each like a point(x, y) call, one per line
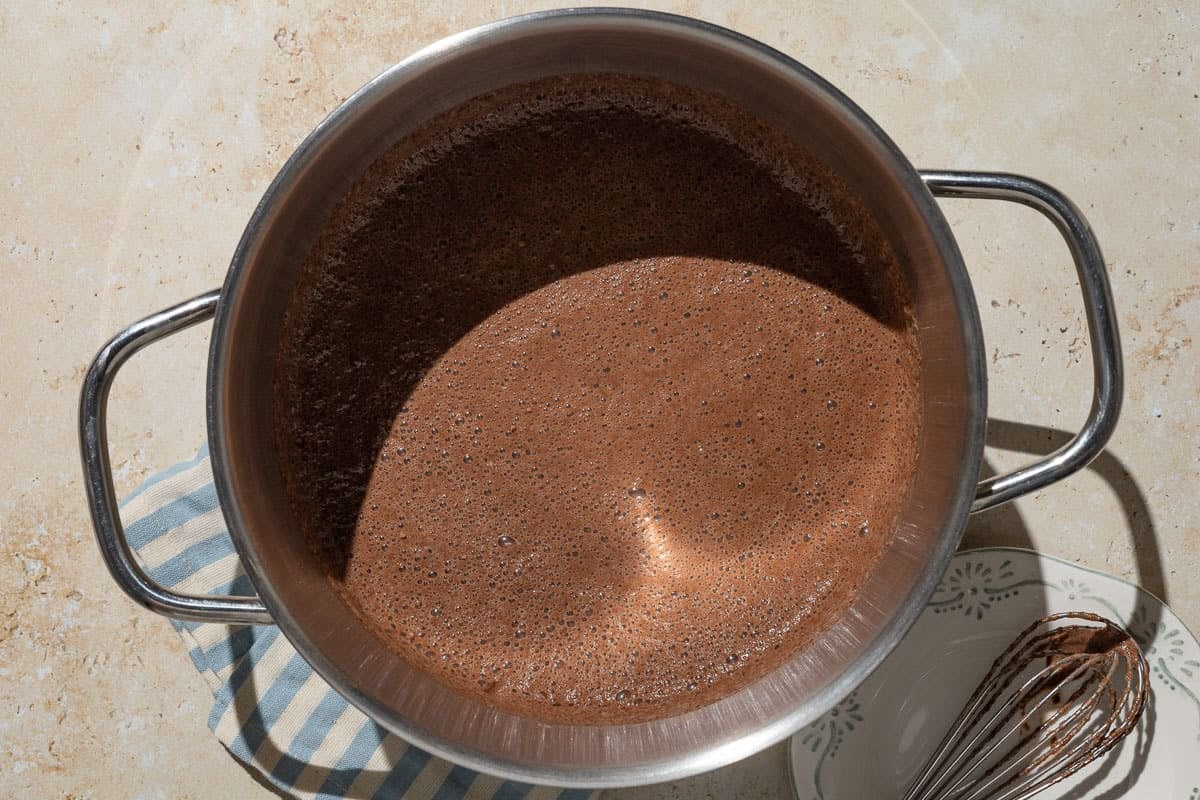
point(699, 758)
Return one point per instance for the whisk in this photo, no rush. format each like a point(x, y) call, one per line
point(1063, 694)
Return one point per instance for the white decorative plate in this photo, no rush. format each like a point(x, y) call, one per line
point(871, 744)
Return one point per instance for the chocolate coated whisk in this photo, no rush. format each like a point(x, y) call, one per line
point(1063, 694)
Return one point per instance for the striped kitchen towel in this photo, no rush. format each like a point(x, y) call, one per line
point(270, 709)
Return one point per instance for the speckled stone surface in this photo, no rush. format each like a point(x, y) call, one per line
point(134, 144)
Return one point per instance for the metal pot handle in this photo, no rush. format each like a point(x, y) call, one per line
point(97, 475)
point(1102, 326)
point(1076, 454)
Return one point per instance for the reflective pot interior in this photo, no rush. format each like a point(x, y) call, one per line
point(247, 334)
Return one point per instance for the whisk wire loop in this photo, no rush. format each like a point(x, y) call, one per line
point(1063, 694)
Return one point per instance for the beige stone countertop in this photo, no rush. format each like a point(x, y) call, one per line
point(135, 140)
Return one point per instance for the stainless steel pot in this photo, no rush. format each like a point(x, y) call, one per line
point(293, 592)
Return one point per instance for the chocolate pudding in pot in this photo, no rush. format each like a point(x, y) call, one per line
point(598, 398)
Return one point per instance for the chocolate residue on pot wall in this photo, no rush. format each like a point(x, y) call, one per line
point(598, 399)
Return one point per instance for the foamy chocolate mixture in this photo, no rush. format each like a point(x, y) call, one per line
point(598, 399)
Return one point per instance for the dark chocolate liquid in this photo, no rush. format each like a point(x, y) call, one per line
point(598, 399)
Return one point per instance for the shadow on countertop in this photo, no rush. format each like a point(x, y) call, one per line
point(1003, 525)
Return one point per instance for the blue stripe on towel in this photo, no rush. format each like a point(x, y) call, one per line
point(225, 652)
point(241, 673)
point(308, 739)
point(456, 784)
point(353, 761)
point(513, 791)
point(273, 701)
point(170, 516)
point(192, 559)
point(170, 472)
point(403, 774)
